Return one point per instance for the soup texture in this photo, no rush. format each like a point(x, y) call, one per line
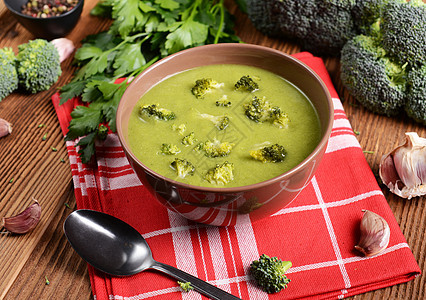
point(170, 122)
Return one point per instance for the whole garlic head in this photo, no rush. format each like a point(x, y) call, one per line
point(403, 170)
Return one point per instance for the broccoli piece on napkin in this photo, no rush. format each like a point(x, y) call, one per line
point(269, 273)
point(185, 286)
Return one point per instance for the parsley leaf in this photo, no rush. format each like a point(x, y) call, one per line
point(141, 32)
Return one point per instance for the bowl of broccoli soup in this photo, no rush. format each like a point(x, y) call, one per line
point(225, 133)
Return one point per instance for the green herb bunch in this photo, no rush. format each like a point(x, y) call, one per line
point(142, 32)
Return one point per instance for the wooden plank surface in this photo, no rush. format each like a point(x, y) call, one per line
point(30, 169)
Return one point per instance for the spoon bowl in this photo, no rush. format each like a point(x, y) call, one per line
point(114, 247)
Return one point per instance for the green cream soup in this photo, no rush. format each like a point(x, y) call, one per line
point(146, 134)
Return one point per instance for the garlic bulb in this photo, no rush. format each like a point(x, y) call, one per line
point(5, 128)
point(24, 221)
point(375, 234)
point(403, 170)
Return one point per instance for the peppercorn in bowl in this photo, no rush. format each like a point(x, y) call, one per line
point(47, 19)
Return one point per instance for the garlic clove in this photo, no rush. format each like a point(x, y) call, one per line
point(64, 46)
point(5, 128)
point(403, 170)
point(375, 234)
point(24, 221)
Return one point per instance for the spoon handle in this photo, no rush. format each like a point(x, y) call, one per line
point(199, 285)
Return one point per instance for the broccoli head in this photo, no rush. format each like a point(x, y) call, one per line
point(247, 84)
point(221, 174)
point(372, 77)
point(403, 29)
point(215, 148)
point(204, 86)
point(182, 167)
point(169, 149)
point(159, 113)
point(8, 74)
point(320, 26)
point(38, 65)
point(415, 105)
point(269, 273)
point(274, 153)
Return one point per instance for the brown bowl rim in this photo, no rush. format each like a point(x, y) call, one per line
point(239, 189)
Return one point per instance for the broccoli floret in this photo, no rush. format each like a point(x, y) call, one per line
point(204, 86)
point(38, 65)
point(182, 167)
point(215, 148)
point(189, 139)
point(179, 128)
point(416, 95)
point(185, 286)
point(371, 77)
point(403, 29)
point(154, 110)
point(260, 110)
point(221, 174)
point(223, 101)
point(246, 83)
point(221, 122)
point(169, 149)
point(8, 74)
point(320, 26)
point(274, 153)
point(269, 273)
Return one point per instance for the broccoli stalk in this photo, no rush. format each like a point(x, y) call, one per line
point(8, 74)
point(38, 65)
point(269, 273)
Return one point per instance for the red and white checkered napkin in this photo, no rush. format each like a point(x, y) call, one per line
point(317, 232)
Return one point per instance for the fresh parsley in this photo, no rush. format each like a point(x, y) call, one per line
point(142, 32)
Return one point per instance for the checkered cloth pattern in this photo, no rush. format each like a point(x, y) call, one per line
point(316, 232)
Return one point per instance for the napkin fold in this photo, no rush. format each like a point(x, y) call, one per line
point(316, 232)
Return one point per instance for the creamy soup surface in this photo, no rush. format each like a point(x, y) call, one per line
point(146, 135)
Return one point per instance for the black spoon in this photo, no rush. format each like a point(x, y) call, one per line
point(116, 248)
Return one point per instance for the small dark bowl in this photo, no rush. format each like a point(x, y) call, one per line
point(46, 28)
point(221, 205)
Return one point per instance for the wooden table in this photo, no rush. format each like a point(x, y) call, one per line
point(30, 169)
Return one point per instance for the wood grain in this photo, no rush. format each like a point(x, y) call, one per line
point(30, 169)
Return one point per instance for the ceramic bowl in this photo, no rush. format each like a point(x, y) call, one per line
point(229, 206)
point(46, 28)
